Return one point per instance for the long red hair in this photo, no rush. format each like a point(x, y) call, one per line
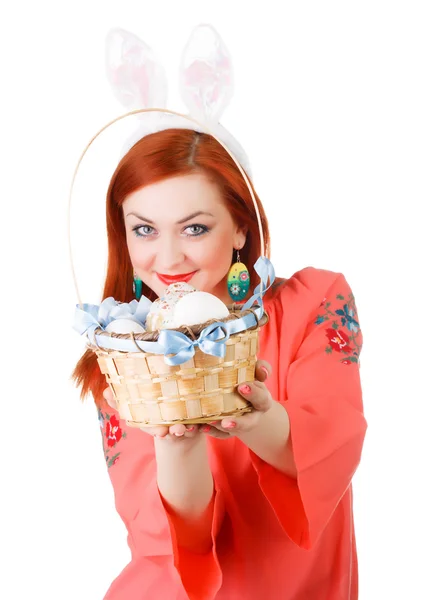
point(156, 157)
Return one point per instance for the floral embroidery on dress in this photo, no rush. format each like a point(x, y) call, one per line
point(112, 433)
point(344, 333)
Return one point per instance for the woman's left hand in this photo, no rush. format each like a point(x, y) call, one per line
point(257, 394)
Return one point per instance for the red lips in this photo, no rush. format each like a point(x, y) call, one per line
point(168, 279)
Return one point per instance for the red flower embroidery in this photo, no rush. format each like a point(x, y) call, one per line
point(113, 433)
point(338, 340)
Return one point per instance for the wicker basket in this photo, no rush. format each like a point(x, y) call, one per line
point(150, 392)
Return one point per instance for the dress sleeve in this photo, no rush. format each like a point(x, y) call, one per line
point(153, 530)
point(197, 564)
point(323, 398)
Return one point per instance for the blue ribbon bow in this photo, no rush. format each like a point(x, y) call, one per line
point(178, 348)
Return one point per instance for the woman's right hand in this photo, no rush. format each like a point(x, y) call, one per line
point(174, 433)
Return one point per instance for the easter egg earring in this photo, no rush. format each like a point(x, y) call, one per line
point(238, 280)
point(137, 287)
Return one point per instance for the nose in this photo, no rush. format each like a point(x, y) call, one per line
point(170, 255)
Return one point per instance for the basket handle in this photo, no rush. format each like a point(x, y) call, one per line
point(170, 112)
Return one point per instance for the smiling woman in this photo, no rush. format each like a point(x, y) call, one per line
point(177, 208)
point(257, 504)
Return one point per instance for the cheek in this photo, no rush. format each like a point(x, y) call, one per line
point(215, 257)
point(140, 258)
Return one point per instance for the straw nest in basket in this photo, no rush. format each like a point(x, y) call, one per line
point(149, 392)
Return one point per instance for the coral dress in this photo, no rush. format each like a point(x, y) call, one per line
point(273, 537)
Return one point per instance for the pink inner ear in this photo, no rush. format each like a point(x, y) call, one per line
point(206, 75)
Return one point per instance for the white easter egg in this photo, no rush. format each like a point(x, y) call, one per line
point(198, 307)
point(124, 326)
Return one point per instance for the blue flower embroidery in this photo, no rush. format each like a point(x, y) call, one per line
point(347, 318)
point(101, 419)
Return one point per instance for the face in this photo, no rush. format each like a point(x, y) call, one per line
point(181, 230)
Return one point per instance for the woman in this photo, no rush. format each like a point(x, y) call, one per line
point(253, 507)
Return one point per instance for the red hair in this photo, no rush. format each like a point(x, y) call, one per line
point(156, 157)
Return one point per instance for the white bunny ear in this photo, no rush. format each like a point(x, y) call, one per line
point(206, 74)
point(138, 80)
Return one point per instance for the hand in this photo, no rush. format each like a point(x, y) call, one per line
point(257, 394)
point(174, 433)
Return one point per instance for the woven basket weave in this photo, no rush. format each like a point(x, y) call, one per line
point(150, 392)
point(147, 390)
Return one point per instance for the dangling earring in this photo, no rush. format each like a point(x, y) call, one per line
point(238, 280)
point(137, 287)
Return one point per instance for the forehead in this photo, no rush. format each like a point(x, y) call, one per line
point(176, 196)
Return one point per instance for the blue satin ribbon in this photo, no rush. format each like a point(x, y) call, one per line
point(265, 270)
point(178, 348)
point(91, 316)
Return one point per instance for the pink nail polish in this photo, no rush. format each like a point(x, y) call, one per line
point(264, 370)
point(245, 389)
point(230, 425)
point(190, 428)
point(206, 428)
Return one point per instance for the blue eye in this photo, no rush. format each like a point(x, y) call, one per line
point(196, 230)
point(144, 229)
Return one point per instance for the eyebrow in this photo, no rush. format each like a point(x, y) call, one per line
point(192, 216)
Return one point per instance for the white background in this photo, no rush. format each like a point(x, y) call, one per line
point(330, 105)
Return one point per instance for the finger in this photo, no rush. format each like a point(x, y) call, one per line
point(178, 430)
point(263, 370)
point(160, 431)
point(109, 398)
point(191, 430)
point(215, 432)
point(240, 424)
point(257, 394)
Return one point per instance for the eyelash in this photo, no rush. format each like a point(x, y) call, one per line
point(141, 235)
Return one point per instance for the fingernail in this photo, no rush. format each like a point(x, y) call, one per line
point(245, 389)
point(230, 425)
point(265, 372)
point(191, 428)
point(206, 428)
point(179, 434)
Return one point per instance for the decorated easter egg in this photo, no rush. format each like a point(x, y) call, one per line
point(160, 315)
point(179, 289)
point(238, 282)
point(198, 307)
point(124, 326)
point(162, 310)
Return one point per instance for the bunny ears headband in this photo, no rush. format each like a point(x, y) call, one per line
point(138, 81)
